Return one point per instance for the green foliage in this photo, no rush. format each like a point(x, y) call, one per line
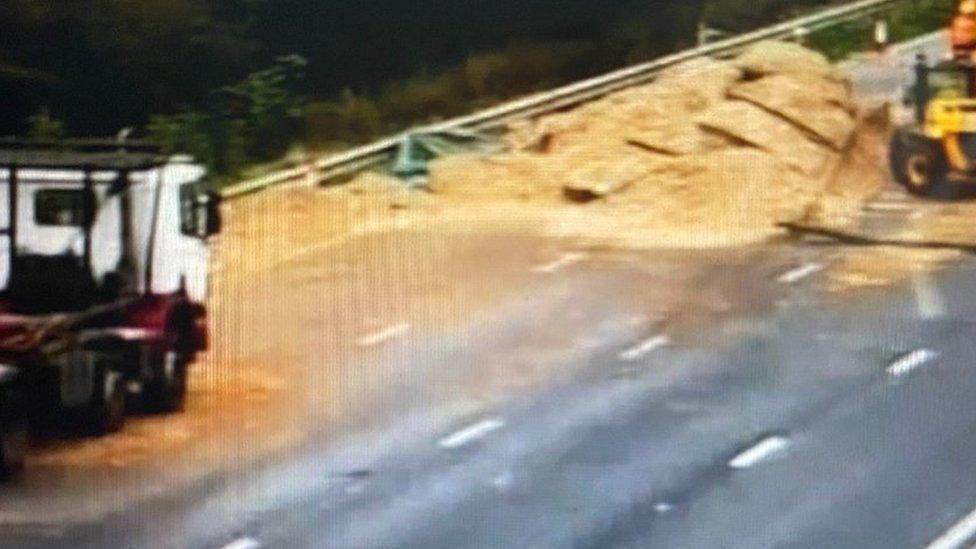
point(186, 132)
point(482, 79)
point(253, 120)
point(107, 64)
point(267, 106)
point(45, 128)
point(743, 15)
point(908, 21)
point(351, 119)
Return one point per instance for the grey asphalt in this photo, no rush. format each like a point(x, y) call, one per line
point(636, 454)
point(876, 461)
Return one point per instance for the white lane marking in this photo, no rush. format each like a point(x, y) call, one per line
point(328, 244)
point(644, 348)
point(384, 335)
point(886, 207)
point(504, 481)
point(928, 297)
point(798, 274)
point(243, 543)
point(561, 263)
point(760, 452)
point(911, 362)
point(302, 252)
point(663, 507)
point(958, 535)
point(470, 434)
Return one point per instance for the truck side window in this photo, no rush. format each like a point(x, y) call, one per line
point(60, 207)
point(188, 215)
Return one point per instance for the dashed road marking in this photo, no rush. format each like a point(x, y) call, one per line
point(928, 297)
point(911, 362)
point(798, 274)
point(894, 195)
point(957, 536)
point(561, 263)
point(644, 347)
point(326, 245)
point(243, 543)
point(760, 452)
point(890, 206)
point(302, 252)
point(503, 481)
point(470, 434)
point(383, 335)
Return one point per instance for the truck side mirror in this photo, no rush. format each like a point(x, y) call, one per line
point(208, 208)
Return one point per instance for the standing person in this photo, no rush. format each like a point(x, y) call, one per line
point(962, 32)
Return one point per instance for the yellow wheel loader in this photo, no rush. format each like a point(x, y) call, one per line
point(938, 144)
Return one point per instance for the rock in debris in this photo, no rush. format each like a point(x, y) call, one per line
point(774, 57)
point(749, 124)
point(823, 107)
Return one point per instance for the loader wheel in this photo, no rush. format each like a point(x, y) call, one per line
point(166, 392)
point(918, 163)
point(106, 411)
point(13, 448)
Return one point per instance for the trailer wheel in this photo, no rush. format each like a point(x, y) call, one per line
point(918, 163)
point(106, 411)
point(13, 449)
point(166, 392)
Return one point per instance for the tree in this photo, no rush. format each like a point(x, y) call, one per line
point(269, 105)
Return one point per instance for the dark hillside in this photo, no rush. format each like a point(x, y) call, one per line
point(372, 67)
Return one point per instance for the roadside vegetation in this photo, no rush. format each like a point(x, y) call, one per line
point(907, 21)
point(239, 83)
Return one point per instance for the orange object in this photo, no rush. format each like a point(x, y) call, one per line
point(963, 35)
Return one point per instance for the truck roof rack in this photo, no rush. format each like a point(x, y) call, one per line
point(92, 154)
point(81, 145)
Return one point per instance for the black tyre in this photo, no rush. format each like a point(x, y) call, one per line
point(13, 448)
point(166, 391)
point(918, 163)
point(106, 411)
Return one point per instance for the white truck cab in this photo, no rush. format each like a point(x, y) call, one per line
point(103, 278)
point(134, 222)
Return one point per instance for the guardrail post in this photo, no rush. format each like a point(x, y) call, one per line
point(800, 35)
point(706, 34)
point(310, 173)
point(881, 35)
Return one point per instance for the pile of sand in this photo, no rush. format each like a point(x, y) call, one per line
point(712, 153)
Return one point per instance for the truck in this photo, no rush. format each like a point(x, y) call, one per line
point(104, 256)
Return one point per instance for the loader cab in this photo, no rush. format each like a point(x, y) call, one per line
point(937, 144)
point(943, 88)
point(88, 225)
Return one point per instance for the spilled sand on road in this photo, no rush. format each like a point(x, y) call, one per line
point(881, 266)
point(298, 277)
point(712, 154)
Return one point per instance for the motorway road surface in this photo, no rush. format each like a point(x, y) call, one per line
point(759, 413)
point(805, 423)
